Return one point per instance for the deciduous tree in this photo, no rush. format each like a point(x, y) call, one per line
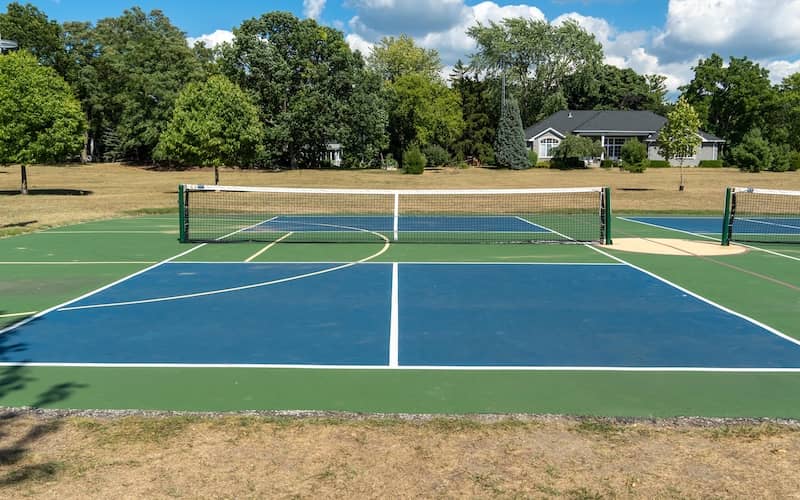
point(679, 137)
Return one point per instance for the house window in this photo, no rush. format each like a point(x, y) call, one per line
point(546, 147)
point(613, 147)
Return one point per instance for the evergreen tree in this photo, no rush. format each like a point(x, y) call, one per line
point(510, 149)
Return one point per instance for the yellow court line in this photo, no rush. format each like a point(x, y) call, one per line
point(14, 315)
point(249, 259)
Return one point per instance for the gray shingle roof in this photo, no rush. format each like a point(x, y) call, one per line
point(605, 122)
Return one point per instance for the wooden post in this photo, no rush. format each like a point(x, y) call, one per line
point(24, 173)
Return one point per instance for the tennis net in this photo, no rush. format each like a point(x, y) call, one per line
point(229, 213)
point(761, 215)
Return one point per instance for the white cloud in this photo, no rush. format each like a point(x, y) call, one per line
point(313, 8)
point(357, 43)
point(778, 70)
point(212, 39)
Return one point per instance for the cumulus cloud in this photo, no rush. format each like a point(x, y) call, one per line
point(212, 39)
point(313, 8)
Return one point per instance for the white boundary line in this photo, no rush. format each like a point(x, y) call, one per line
point(252, 257)
point(701, 298)
point(14, 315)
point(663, 369)
point(765, 250)
point(401, 192)
point(74, 263)
point(394, 326)
point(443, 263)
point(54, 231)
point(756, 221)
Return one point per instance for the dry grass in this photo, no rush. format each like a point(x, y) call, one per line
point(111, 190)
point(256, 457)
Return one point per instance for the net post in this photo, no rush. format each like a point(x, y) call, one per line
point(607, 216)
point(396, 218)
point(182, 213)
point(726, 218)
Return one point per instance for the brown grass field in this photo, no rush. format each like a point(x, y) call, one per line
point(119, 455)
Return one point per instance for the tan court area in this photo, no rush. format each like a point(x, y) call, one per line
point(674, 246)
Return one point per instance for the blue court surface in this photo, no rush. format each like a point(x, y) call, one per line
point(384, 315)
point(406, 223)
point(713, 225)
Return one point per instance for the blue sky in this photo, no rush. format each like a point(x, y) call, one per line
point(650, 36)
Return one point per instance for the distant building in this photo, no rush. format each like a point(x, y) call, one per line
point(612, 129)
point(7, 45)
point(333, 154)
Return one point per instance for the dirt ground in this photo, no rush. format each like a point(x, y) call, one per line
point(90, 455)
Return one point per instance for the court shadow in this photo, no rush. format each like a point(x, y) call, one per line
point(48, 192)
point(636, 189)
point(18, 434)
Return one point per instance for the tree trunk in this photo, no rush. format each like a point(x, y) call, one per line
point(216, 175)
point(682, 187)
point(24, 173)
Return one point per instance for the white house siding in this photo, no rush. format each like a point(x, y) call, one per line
point(707, 151)
point(534, 144)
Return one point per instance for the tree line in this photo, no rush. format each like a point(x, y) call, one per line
point(285, 89)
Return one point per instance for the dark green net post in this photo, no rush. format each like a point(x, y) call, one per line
point(607, 216)
point(182, 213)
point(726, 219)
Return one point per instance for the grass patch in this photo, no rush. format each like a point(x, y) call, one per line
point(750, 432)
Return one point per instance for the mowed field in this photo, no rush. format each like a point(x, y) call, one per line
point(102, 454)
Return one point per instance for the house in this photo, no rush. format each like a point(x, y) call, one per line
point(612, 129)
point(333, 154)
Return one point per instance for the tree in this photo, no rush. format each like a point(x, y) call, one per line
point(633, 152)
point(679, 137)
point(510, 151)
point(614, 88)
point(142, 64)
point(535, 56)
point(480, 114)
point(754, 153)
point(40, 119)
point(214, 124)
point(394, 57)
point(34, 32)
point(731, 100)
point(573, 149)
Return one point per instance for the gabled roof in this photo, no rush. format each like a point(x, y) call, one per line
point(605, 122)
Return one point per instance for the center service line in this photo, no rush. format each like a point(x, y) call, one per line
point(394, 322)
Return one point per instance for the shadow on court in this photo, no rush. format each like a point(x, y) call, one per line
point(50, 192)
point(16, 436)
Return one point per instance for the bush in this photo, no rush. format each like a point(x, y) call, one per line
point(633, 152)
point(436, 155)
point(794, 161)
point(710, 164)
point(658, 164)
point(636, 168)
point(413, 160)
point(543, 164)
point(607, 163)
point(781, 158)
point(570, 163)
point(753, 153)
point(389, 162)
point(533, 158)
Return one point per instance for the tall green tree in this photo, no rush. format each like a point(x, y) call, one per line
point(142, 64)
point(307, 83)
point(789, 110)
point(214, 124)
point(34, 32)
point(510, 150)
point(731, 100)
point(393, 57)
point(40, 119)
point(615, 88)
point(535, 56)
point(679, 137)
point(480, 114)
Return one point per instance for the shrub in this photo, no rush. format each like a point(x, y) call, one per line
point(658, 164)
point(543, 164)
point(710, 164)
point(533, 158)
point(636, 168)
point(794, 161)
point(569, 163)
point(781, 158)
point(413, 160)
point(436, 155)
point(606, 163)
point(753, 153)
point(633, 152)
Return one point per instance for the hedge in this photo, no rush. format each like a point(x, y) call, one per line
point(659, 164)
point(710, 164)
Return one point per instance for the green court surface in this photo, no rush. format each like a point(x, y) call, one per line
point(42, 270)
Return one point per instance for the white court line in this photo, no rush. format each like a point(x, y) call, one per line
point(765, 250)
point(250, 259)
point(655, 369)
point(72, 262)
point(109, 232)
point(106, 287)
point(14, 315)
point(701, 298)
point(435, 263)
point(756, 221)
point(394, 323)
